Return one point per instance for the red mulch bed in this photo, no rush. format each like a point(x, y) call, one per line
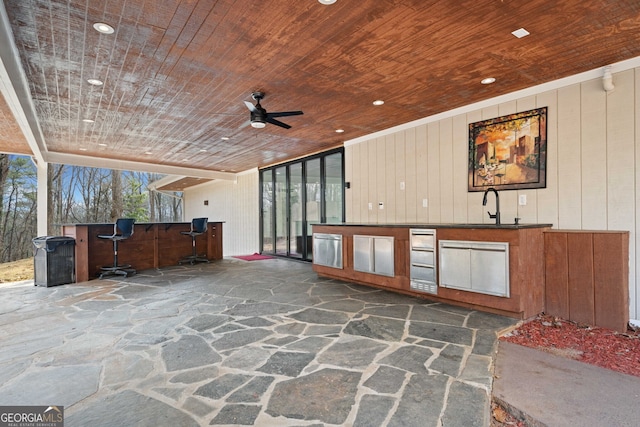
point(596, 346)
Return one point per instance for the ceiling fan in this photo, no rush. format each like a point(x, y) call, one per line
point(260, 117)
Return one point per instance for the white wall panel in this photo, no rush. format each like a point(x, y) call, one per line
point(372, 181)
point(593, 160)
point(422, 176)
point(411, 177)
point(445, 148)
point(235, 204)
point(390, 206)
point(620, 165)
point(380, 183)
point(433, 171)
point(363, 182)
point(459, 162)
point(400, 173)
point(569, 146)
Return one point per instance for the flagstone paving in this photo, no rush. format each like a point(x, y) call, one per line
point(233, 343)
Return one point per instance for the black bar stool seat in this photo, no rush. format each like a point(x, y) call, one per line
point(125, 226)
point(198, 227)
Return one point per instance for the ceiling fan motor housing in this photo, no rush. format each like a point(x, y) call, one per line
point(259, 115)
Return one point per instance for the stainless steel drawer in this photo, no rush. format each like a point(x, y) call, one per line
point(423, 273)
point(423, 257)
point(423, 241)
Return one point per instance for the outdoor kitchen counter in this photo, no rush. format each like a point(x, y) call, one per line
point(525, 263)
point(444, 225)
point(152, 245)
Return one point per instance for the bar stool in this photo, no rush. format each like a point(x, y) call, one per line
point(198, 227)
point(125, 226)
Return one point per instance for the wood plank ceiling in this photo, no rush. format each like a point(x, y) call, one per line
point(176, 73)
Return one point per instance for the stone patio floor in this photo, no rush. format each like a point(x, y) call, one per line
point(234, 343)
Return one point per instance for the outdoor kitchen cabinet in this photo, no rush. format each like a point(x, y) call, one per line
point(502, 266)
point(373, 254)
point(327, 249)
point(475, 266)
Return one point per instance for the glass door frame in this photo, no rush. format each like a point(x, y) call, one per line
point(305, 253)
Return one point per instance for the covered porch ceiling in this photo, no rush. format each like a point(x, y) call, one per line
point(175, 74)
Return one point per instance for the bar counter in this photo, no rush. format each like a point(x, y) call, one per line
point(152, 245)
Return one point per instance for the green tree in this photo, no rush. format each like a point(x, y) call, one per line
point(136, 201)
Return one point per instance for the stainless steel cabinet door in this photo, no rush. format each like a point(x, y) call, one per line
point(374, 254)
point(490, 268)
point(327, 250)
point(455, 261)
point(363, 254)
point(383, 256)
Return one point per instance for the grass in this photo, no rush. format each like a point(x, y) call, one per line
point(16, 271)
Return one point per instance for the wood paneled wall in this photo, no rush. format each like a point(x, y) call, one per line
point(587, 277)
point(593, 167)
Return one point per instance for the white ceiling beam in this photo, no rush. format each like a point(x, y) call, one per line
point(15, 89)
point(97, 162)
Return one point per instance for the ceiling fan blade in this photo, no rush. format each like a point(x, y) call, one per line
point(273, 121)
point(285, 113)
point(250, 106)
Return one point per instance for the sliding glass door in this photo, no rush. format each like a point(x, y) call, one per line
point(266, 211)
point(296, 195)
point(313, 199)
point(296, 247)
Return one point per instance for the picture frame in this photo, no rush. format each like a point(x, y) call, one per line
point(509, 152)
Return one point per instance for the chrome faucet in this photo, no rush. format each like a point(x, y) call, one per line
point(484, 203)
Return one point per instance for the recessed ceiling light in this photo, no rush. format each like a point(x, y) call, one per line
point(202, 150)
point(520, 33)
point(327, 1)
point(82, 149)
point(488, 80)
point(88, 121)
point(148, 152)
point(378, 102)
point(102, 144)
point(339, 130)
point(103, 28)
point(95, 82)
point(225, 138)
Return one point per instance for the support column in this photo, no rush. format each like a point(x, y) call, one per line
point(43, 190)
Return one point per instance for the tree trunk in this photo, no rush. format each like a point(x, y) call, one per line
point(4, 172)
point(117, 206)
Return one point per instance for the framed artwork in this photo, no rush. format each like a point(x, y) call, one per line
point(509, 152)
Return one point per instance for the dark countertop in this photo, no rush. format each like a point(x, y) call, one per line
point(445, 225)
point(137, 223)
